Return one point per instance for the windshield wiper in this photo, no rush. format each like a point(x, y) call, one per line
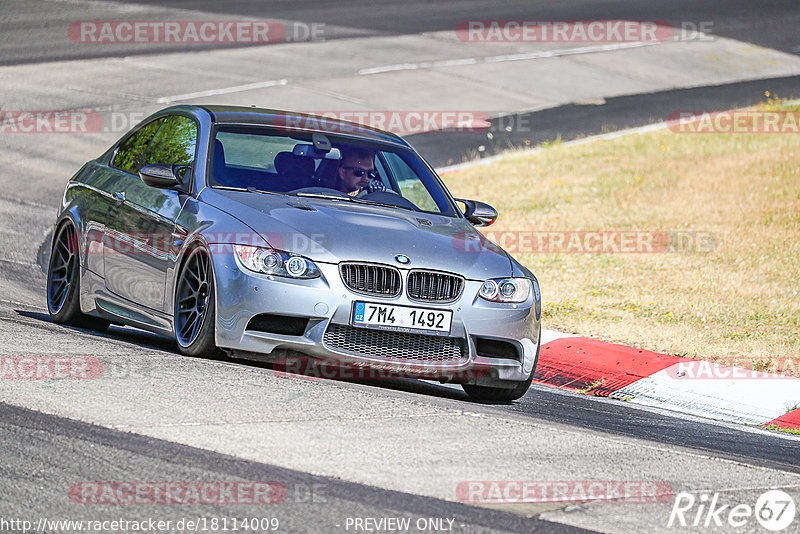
point(323, 195)
point(384, 204)
point(228, 188)
point(329, 196)
point(250, 189)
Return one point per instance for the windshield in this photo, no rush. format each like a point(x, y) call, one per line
point(267, 161)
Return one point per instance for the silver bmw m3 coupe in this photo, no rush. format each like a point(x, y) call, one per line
point(259, 234)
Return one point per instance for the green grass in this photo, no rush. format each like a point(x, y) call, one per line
point(735, 298)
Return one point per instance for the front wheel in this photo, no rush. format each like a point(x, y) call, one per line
point(194, 306)
point(63, 282)
point(491, 394)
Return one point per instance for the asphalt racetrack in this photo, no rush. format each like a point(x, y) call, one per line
point(348, 451)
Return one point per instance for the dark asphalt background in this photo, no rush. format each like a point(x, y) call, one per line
point(42, 453)
point(574, 121)
point(769, 23)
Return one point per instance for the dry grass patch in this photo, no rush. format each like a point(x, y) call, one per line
point(736, 304)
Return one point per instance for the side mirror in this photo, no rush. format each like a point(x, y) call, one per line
point(163, 175)
point(478, 213)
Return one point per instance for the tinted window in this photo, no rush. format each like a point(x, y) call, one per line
point(278, 162)
point(174, 143)
point(408, 184)
point(130, 152)
point(254, 151)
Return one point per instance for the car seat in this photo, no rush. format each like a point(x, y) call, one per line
point(293, 171)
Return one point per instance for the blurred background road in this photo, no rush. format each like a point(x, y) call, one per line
point(35, 31)
point(412, 439)
point(384, 56)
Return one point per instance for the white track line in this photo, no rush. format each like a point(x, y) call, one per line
point(422, 65)
point(502, 59)
point(717, 392)
point(414, 66)
point(223, 91)
point(552, 335)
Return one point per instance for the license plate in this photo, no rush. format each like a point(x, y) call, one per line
point(402, 318)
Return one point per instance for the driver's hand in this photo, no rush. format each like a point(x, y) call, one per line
point(374, 186)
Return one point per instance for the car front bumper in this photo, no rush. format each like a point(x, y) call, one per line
point(326, 303)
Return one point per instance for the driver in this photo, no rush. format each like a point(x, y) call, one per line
point(357, 172)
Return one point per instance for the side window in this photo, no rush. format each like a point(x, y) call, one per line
point(410, 185)
point(253, 151)
point(174, 143)
point(129, 153)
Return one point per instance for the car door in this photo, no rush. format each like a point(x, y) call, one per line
point(138, 240)
point(103, 181)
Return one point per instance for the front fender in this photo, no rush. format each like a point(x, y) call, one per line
point(200, 224)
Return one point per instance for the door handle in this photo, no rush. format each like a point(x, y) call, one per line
point(177, 239)
point(119, 196)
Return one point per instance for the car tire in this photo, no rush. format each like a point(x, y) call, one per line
point(63, 282)
point(492, 394)
point(195, 290)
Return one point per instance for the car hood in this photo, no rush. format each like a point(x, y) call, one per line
point(334, 231)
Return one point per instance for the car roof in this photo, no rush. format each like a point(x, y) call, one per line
point(307, 122)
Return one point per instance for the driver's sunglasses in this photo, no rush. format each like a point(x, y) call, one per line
point(358, 172)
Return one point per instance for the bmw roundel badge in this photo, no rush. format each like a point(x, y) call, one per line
point(402, 259)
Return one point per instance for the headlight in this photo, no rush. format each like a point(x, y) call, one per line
point(279, 263)
point(506, 290)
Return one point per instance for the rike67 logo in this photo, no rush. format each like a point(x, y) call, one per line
point(774, 510)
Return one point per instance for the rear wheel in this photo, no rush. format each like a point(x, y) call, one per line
point(487, 393)
point(63, 282)
point(194, 306)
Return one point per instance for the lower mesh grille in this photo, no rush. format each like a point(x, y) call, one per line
point(392, 345)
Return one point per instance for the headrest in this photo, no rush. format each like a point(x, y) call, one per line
point(218, 169)
point(287, 163)
point(219, 151)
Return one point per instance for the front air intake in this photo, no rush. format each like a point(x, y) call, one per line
point(271, 323)
point(497, 348)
